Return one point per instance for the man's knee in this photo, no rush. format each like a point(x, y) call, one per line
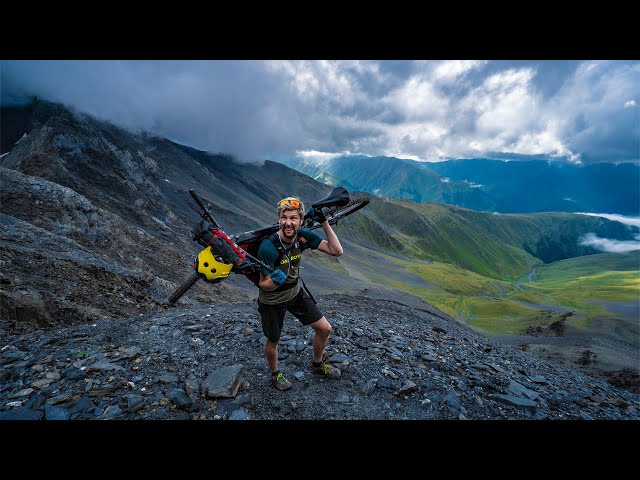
point(322, 326)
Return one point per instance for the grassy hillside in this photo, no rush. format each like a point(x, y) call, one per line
point(591, 286)
point(503, 247)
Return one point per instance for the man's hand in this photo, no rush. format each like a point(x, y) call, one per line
point(202, 233)
point(278, 277)
point(317, 215)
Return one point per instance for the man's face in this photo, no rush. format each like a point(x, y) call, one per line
point(290, 222)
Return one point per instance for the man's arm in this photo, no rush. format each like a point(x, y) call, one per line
point(331, 245)
point(268, 254)
point(266, 283)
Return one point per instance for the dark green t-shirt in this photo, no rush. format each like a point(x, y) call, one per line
point(289, 264)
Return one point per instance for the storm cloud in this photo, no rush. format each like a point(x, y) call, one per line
point(426, 110)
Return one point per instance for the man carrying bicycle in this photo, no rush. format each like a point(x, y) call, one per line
point(280, 291)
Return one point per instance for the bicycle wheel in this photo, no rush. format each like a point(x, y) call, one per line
point(182, 289)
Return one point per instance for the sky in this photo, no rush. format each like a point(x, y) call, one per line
point(579, 111)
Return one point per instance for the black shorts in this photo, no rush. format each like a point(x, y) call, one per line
point(300, 306)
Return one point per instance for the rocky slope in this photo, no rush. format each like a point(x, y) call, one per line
point(205, 362)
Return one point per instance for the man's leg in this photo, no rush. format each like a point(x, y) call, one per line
point(271, 352)
point(322, 328)
point(307, 312)
point(272, 318)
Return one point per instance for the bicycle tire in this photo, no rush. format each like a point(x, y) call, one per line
point(182, 289)
point(355, 204)
point(333, 214)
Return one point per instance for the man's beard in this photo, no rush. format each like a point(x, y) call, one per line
point(289, 239)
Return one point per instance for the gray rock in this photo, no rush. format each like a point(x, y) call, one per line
point(82, 405)
point(62, 398)
point(179, 398)
point(112, 411)
point(168, 377)
point(513, 401)
point(497, 368)
point(135, 402)
point(243, 399)
point(453, 400)
point(282, 353)
point(21, 414)
point(299, 375)
point(128, 352)
point(224, 408)
point(521, 391)
point(192, 386)
point(428, 357)
point(300, 345)
point(104, 366)
point(51, 412)
point(538, 379)
point(73, 373)
point(239, 414)
point(436, 398)
point(340, 358)
point(369, 386)
point(36, 402)
point(386, 383)
point(407, 387)
point(223, 382)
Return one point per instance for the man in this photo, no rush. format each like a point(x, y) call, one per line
point(281, 292)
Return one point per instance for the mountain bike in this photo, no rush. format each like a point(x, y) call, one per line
point(232, 253)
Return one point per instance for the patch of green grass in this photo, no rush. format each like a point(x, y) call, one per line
point(86, 353)
point(456, 280)
point(501, 316)
point(492, 306)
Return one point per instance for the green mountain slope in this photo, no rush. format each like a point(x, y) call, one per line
point(497, 246)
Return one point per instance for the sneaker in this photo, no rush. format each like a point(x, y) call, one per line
point(327, 370)
point(280, 382)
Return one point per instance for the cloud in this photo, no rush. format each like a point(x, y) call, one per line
point(633, 221)
point(590, 114)
point(451, 70)
point(612, 246)
point(615, 246)
point(426, 110)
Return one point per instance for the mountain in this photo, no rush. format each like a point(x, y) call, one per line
point(392, 177)
point(538, 186)
point(488, 185)
point(96, 224)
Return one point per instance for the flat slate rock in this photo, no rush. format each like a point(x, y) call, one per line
point(223, 382)
point(514, 401)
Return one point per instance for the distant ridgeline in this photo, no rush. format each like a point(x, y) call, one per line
point(488, 185)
